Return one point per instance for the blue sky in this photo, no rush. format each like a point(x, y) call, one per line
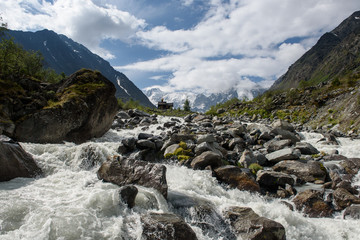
point(188, 45)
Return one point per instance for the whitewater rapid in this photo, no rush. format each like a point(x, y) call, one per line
point(71, 203)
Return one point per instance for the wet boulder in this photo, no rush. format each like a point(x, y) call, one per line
point(248, 225)
point(273, 180)
point(312, 204)
point(123, 171)
point(285, 134)
point(343, 198)
point(235, 177)
point(90, 158)
point(127, 194)
point(15, 162)
point(205, 159)
point(159, 226)
point(310, 171)
point(352, 212)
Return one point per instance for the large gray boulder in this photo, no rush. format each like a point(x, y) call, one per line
point(85, 108)
point(159, 226)
point(309, 171)
point(343, 198)
point(276, 144)
point(306, 148)
point(122, 171)
point(283, 154)
point(248, 225)
point(15, 162)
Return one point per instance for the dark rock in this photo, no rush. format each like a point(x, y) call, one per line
point(15, 162)
point(272, 180)
point(351, 165)
point(145, 144)
point(137, 113)
point(283, 125)
point(306, 148)
point(343, 198)
point(202, 214)
point(144, 136)
point(285, 134)
point(206, 159)
point(352, 212)
point(128, 194)
point(159, 226)
point(236, 178)
point(312, 204)
point(210, 138)
point(123, 171)
point(169, 124)
point(90, 158)
point(129, 143)
point(86, 107)
point(309, 171)
point(248, 225)
point(236, 141)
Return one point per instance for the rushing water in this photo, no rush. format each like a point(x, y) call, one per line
point(71, 203)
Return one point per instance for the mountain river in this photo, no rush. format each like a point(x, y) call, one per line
point(71, 203)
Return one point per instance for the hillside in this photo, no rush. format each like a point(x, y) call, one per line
point(336, 55)
point(64, 55)
point(320, 90)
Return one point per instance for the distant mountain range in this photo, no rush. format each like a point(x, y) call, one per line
point(336, 55)
point(198, 102)
point(66, 56)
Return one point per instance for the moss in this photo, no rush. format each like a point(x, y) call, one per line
point(183, 145)
point(240, 165)
point(255, 167)
point(169, 155)
point(183, 157)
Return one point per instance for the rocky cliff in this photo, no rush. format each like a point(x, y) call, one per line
point(78, 108)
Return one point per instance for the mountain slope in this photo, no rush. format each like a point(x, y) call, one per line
point(335, 55)
point(64, 55)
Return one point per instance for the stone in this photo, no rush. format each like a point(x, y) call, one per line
point(171, 149)
point(272, 180)
point(235, 177)
point(306, 148)
point(283, 154)
point(312, 204)
point(236, 141)
point(285, 134)
point(352, 212)
point(127, 194)
point(145, 144)
point(122, 171)
point(247, 158)
point(343, 198)
point(283, 125)
point(144, 136)
point(275, 145)
point(90, 158)
point(159, 226)
point(213, 147)
point(206, 159)
point(138, 113)
point(123, 115)
point(86, 106)
point(15, 162)
point(309, 171)
point(210, 138)
point(248, 225)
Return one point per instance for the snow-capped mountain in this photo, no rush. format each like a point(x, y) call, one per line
point(198, 102)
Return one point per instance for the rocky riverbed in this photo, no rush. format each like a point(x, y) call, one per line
point(196, 177)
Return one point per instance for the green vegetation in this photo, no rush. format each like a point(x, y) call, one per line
point(15, 62)
point(187, 105)
point(181, 153)
point(254, 167)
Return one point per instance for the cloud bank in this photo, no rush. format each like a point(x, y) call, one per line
point(239, 39)
point(235, 42)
